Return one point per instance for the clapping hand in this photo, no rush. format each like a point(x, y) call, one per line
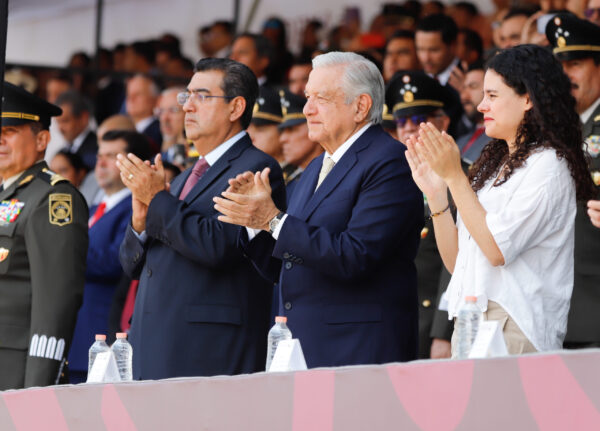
point(247, 201)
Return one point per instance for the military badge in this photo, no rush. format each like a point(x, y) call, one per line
point(9, 211)
point(3, 254)
point(60, 209)
point(285, 104)
point(593, 145)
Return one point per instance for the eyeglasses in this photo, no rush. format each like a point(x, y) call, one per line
point(172, 110)
point(201, 97)
point(590, 12)
point(416, 119)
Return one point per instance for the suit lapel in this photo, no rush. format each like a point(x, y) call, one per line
point(337, 174)
point(306, 186)
point(330, 182)
point(589, 124)
point(216, 170)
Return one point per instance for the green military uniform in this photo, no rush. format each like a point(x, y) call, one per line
point(573, 38)
point(414, 93)
point(43, 247)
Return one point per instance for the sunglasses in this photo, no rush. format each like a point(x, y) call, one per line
point(590, 12)
point(416, 119)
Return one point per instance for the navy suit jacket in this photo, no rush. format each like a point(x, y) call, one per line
point(103, 272)
point(201, 307)
point(345, 255)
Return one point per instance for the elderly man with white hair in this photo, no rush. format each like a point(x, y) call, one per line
point(343, 253)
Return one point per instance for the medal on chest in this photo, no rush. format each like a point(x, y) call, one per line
point(9, 211)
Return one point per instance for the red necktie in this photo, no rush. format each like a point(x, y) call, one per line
point(476, 135)
point(129, 305)
point(198, 170)
point(99, 213)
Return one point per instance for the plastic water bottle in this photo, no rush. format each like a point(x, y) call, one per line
point(278, 332)
point(99, 346)
point(467, 325)
point(123, 355)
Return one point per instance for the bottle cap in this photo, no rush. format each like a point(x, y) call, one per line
point(121, 334)
point(100, 337)
point(470, 299)
point(280, 319)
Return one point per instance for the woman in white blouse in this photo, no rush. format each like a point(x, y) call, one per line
point(512, 244)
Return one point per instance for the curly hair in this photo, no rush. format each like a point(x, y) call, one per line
point(552, 122)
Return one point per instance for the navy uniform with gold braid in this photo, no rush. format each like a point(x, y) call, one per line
point(43, 245)
point(574, 39)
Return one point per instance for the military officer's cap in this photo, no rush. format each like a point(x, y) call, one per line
point(387, 118)
point(21, 107)
point(414, 93)
point(572, 38)
point(266, 109)
point(291, 107)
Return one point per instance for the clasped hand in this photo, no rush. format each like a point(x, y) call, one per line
point(247, 201)
point(434, 159)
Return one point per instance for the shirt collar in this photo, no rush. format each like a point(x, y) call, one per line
point(585, 115)
point(141, 125)
point(337, 154)
point(9, 181)
point(112, 200)
point(444, 75)
point(79, 139)
point(214, 155)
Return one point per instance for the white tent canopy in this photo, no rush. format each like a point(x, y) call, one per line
point(48, 31)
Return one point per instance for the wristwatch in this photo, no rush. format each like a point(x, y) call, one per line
point(275, 221)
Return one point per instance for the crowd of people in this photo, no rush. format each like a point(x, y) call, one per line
point(362, 188)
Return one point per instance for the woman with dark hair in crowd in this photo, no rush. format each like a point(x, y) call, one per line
point(512, 244)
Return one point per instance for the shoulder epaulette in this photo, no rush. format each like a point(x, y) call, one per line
point(50, 177)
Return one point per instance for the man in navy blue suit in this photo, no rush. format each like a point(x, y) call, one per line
point(107, 226)
point(343, 254)
point(201, 307)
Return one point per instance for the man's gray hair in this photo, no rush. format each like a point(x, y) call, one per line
point(361, 76)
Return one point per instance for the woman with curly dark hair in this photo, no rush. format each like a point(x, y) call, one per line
point(512, 244)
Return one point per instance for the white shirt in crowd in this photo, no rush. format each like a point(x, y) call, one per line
point(532, 219)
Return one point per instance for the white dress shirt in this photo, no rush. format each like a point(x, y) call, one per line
point(532, 220)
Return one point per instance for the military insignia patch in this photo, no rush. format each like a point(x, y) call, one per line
point(3, 253)
point(593, 145)
point(9, 211)
point(60, 209)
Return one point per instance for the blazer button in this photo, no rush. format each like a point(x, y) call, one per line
point(287, 305)
point(288, 265)
point(426, 303)
point(149, 272)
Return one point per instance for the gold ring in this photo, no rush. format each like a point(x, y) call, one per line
point(130, 176)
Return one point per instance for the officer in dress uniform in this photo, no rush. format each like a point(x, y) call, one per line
point(43, 246)
point(264, 127)
point(576, 43)
point(415, 98)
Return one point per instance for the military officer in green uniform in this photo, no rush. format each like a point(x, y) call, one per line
point(414, 98)
point(576, 43)
point(43, 246)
